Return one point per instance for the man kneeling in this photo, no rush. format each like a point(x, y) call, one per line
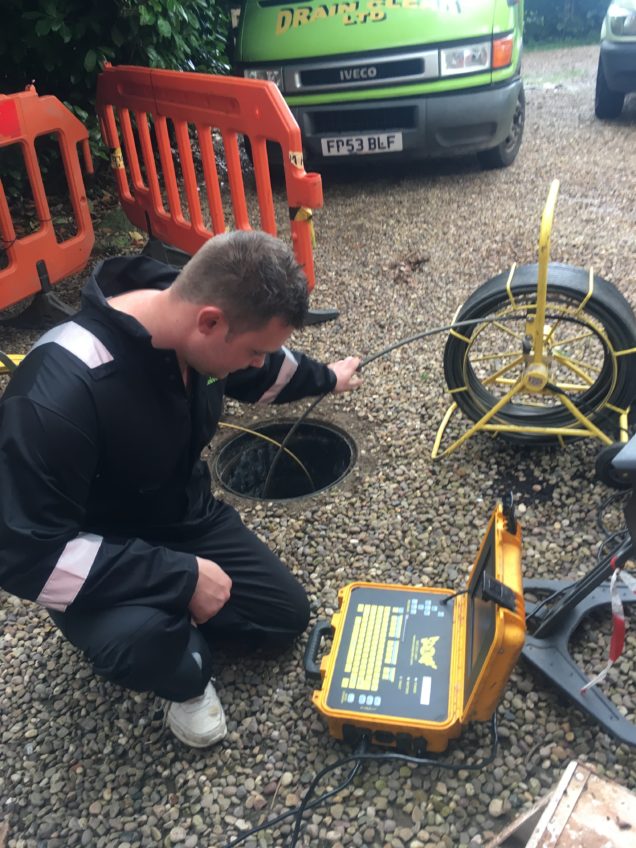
point(106, 512)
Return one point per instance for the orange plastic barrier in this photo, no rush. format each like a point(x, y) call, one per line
point(206, 103)
point(35, 260)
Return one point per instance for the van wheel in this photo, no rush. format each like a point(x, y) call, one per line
point(506, 152)
point(607, 103)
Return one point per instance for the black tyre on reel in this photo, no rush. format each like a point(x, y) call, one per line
point(483, 361)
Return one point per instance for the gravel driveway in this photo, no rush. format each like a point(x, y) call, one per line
point(84, 763)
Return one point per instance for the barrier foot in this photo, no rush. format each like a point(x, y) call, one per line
point(156, 249)
point(45, 311)
point(320, 316)
point(551, 657)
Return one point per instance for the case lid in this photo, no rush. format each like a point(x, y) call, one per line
point(494, 635)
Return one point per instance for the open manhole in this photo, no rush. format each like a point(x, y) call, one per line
point(316, 457)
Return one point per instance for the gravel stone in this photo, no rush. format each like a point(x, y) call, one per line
point(496, 808)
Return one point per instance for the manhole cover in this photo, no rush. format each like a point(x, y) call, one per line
point(316, 457)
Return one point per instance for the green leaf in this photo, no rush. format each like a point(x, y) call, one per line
point(76, 110)
point(164, 27)
point(90, 61)
point(146, 17)
point(43, 27)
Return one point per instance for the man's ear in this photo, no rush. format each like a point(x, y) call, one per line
point(210, 318)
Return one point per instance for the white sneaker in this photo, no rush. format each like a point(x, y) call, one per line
point(198, 722)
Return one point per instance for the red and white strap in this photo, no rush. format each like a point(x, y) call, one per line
point(617, 641)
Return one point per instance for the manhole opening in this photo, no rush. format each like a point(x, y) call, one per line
point(322, 455)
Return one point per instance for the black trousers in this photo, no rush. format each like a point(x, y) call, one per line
point(149, 649)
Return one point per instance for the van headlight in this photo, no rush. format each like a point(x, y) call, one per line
point(465, 59)
point(269, 74)
point(622, 21)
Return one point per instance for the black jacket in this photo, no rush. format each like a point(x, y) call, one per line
point(100, 453)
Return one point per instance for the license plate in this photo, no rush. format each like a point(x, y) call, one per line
point(358, 145)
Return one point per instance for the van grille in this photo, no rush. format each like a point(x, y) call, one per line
point(363, 120)
point(346, 74)
point(360, 71)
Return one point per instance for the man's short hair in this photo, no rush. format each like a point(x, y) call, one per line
point(250, 275)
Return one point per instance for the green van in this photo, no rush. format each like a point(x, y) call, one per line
point(392, 78)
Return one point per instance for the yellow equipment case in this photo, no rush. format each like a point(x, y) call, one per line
point(410, 666)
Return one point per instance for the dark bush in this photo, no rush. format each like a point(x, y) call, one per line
point(61, 44)
point(563, 20)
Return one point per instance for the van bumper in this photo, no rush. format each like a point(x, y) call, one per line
point(619, 65)
point(431, 125)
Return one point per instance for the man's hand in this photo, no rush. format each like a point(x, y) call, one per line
point(345, 371)
point(211, 592)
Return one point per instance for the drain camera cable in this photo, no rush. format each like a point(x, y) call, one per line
point(386, 350)
point(360, 756)
point(269, 439)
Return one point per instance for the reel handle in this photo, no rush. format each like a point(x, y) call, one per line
point(320, 630)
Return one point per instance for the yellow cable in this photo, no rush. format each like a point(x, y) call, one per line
point(271, 441)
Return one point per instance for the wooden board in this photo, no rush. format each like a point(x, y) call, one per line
point(584, 811)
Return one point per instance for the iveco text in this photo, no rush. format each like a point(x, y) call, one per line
point(358, 73)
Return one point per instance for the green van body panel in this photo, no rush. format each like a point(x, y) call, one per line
point(285, 31)
point(337, 57)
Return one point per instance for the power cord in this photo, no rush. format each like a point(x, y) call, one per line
point(316, 803)
point(403, 758)
point(360, 756)
point(619, 537)
point(456, 594)
point(605, 506)
point(551, 597)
